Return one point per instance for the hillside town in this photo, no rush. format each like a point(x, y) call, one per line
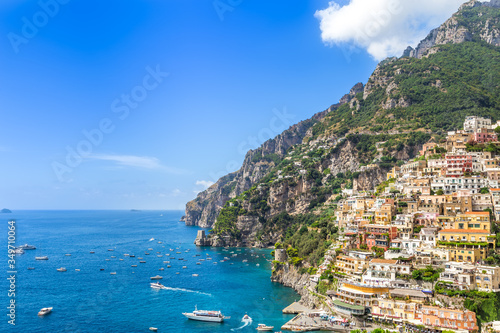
point(421, 247)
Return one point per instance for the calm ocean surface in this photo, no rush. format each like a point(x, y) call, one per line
point(91, 300)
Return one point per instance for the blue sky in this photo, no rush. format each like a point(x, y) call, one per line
point(170, 93)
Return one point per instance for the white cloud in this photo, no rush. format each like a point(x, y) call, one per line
point(144, 162)
point(204, 183)
point(383, 27)
point(130, 160)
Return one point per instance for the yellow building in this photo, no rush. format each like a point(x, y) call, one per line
point(473, 221)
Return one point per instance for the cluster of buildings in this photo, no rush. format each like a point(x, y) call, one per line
point(438, 210)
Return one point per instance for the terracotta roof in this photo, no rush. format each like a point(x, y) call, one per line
point(477, 213)
point(383, 261)
point(465, 231)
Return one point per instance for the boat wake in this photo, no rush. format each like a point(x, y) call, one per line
point(246, 323)
point(187, 291)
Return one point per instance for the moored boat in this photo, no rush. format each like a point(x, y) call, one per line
point(157, 277)
point(45, 311)
point(264, 327)
point(62, 269)
point(204, 315)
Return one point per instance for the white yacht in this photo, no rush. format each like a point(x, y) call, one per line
point(204, 315)
point(45, 311)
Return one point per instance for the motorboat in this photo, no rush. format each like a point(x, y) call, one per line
point(154, 329)
point(161, 269)
point(68, 254)
point(113, 273)
point(204, 315)
point(62, 269)
point(45, 311)
point(132, 256)
point(27, 247)
point(31, 268)
point(184, 267)
point(264, 327)
point(195, 275)
point(157, 277)
point(110, 250)
point(142, 262)
point(157, 285)
point(134, 265)
point(92, 252)
point(246, 318)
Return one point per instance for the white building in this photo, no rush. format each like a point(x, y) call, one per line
point(473, 123)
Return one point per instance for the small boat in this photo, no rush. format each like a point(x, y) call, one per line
point(257, 264)
point(107, 259)
point(246, 318)
point(121, 259)
point(168, 266)
point(27, 247)
point(181, 259)
point(68, 254)
point(134, 265)
point(92, 252)
point(159, 255)
point(45, 311)
point(202, 259)
point(31, 268)
point(142, 262)
point(195, 275)
point(132, 256)
point(113, 256)
point(113, 273)
point(152, 239)
point(62, 269)
point(101, 269)
point(159, 242)
point(154, 329)
point(77, 269)
point(177, 273)
point(263, 327)
point(126, 254)
point(156, 285)
point(198, 263)
point(171, 250)
point(146, 253)
point(157, 277)
point(139, 258)
point(244, 260)
point(110, 250)
point(184, 267)
point(204, 315)
point(42, 258)
point(161, 269)
point(166, 262)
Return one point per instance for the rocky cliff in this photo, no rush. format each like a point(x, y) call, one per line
point(475, 20)
point(289, 276)
point(406, 102)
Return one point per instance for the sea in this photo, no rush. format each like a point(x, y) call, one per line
point(88, 298)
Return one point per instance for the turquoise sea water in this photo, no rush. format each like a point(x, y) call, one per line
point(91, 300)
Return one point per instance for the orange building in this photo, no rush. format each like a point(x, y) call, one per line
point(449, 318)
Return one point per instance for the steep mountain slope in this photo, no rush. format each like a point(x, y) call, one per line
point(295, 179)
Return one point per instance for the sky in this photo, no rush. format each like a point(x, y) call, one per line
point(142, 104)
